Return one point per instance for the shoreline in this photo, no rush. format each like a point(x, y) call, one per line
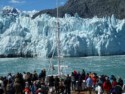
point(35, 56)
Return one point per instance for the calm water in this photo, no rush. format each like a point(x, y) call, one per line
point(102, 65)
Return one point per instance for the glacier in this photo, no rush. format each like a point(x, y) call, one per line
point(20, 35)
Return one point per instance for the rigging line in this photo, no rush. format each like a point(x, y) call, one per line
point(54, 47)
point(51, 67)
point(58, 38)
point(57, 42)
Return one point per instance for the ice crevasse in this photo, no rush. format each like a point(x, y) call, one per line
point(22, 35)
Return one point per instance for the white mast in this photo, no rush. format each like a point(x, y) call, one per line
point(58, 39)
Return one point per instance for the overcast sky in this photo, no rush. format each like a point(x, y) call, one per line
point(31, 4)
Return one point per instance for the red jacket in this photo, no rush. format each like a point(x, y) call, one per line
point(94, 80)
point(27, 90)
point(114, 83)
point(107, 86)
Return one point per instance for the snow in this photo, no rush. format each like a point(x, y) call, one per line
point(20, 34)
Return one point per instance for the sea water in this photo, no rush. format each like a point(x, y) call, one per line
point(109, 65)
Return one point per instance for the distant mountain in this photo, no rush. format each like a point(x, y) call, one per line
point(10, 10)
point(89, 8)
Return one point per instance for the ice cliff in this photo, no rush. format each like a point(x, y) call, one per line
point(20, 35)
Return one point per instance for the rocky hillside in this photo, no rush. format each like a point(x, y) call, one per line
point(90, 8)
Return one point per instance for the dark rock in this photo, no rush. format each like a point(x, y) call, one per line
point(89, 8)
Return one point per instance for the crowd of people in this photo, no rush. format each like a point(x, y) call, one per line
point(101, 84)
point(34, 83)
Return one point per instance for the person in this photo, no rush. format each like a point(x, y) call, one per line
point(18, 87)
point(44, 74)
point(75, 72)
point(87, 75)
point(27, 90)
point(100, 80)
point(89, 83)
point(79, 84)
point(51, 81)
point(98, 89)
point(83, 74)
point(67, 83)
point(34, 76)
point(44, 87)
point(9, 87)
point(123, 88)
point(118, 89)
point(1, 89)
point(41, 74)
point(24, 75)
point(33, 88)
point(57, 84)
point(94, 79)
point(38, 91)
point(1, 82)
point(62, 88)
point(107, 85)
point(73, 81)
point(51, 84)
point(114, 82)
point(120, 81)
point(9, 77)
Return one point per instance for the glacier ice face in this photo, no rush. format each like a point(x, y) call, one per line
point(22, 35)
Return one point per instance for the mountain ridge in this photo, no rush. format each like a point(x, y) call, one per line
point(89, 8)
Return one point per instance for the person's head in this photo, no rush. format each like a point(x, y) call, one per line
point(44, 70)
point(9, 74)
point(106, 78)
point(87, 74)
point(83, 70)
point(67, 75)
point(99, 77)
point(99, 84)
point(72, 74)
point(114, 79)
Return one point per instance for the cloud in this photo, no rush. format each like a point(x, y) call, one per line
point(17, 1)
